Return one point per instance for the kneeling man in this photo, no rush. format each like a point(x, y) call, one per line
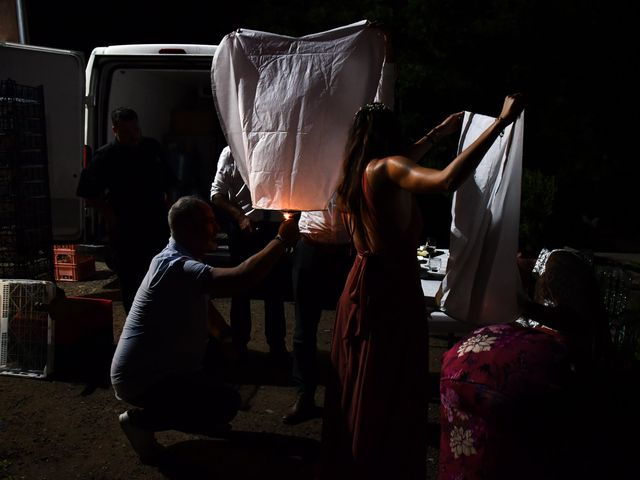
point(158, 363)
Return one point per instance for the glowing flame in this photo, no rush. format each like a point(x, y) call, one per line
point(287, 215)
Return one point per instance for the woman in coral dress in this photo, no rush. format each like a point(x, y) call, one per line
point(376, 402)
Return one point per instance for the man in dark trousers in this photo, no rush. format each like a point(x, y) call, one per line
point(322, 260)
point(128, 183)
point(250, 230)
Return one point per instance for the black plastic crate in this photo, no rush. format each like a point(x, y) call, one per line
point(33, 269)
point(26, 243)
point(20, 94)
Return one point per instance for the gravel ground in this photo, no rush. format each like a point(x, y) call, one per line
point(65, 428)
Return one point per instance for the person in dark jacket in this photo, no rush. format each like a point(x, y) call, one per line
point(128, 182)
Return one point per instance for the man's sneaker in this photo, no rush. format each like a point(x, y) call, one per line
point(143, 441)
point(302, 410)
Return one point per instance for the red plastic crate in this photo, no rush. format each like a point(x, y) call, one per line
point(77, 318)
point(64, 253)
point(74, 272)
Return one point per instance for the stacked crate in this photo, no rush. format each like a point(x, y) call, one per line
point(26, 329)
point(25, 205)
point(70, 266)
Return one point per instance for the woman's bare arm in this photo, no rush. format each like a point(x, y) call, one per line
point(403, 171)
point(449, 125)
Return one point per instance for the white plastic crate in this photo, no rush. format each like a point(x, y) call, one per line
point(26, 329)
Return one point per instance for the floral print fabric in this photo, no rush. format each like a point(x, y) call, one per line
point(498, 387)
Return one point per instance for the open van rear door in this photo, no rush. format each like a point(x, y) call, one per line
point(62, 74)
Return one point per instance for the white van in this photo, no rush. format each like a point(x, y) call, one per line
point(169, 86)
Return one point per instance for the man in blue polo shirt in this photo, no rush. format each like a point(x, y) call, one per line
point(158, 363)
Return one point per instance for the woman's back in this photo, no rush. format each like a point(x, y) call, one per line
point(377, 396)
point(393, 222)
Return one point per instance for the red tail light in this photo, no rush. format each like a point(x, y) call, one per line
point(86, 155)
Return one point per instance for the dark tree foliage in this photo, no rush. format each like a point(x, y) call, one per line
point(572, 58)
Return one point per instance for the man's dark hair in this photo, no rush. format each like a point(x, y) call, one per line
point(123, 114)
point(184, 213)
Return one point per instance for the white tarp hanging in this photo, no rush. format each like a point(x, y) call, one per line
point(482, 282)
point(286, 105)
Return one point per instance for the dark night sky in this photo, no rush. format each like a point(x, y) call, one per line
point(84, 25)
point(577, 57)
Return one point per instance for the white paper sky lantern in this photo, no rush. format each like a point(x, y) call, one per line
point(286, 104)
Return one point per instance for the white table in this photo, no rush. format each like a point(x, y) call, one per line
point(439, 322)
point(431, 284)
point(430, 289)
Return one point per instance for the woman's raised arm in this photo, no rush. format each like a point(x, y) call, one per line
point(404, 172)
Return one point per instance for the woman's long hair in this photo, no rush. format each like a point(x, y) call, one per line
point(375, 133)
point(569, 282)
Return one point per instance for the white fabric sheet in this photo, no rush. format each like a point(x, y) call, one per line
point(324, 225)
point(482, 282)
point(286, 105)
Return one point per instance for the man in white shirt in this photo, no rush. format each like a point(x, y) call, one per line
point(322, 260)
point(250, 230)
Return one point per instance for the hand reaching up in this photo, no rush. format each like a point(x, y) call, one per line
point(512, 107)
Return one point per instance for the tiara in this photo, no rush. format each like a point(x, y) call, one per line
point(543, 257)
point(375, 107)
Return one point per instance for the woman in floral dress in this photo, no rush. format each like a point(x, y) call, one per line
point(511, 398)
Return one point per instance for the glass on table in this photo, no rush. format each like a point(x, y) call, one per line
point(435, 264)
